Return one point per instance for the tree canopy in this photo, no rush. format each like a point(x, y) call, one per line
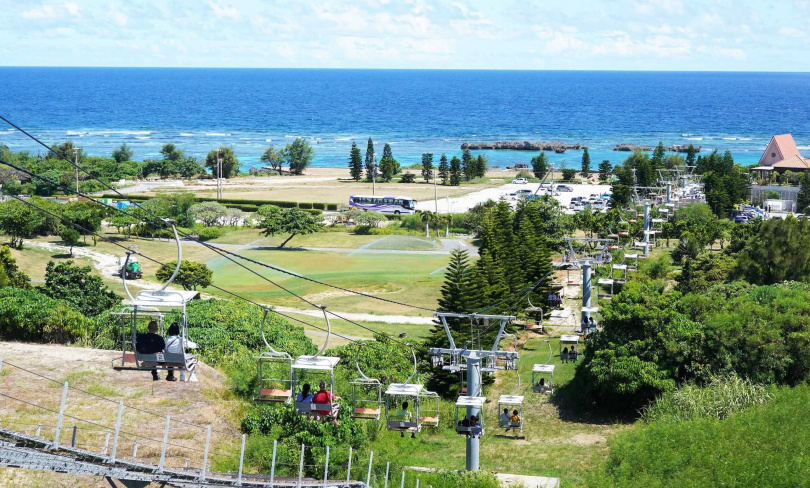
point(192, 275)
point(293, 221)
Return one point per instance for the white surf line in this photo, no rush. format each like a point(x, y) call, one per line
point(364, 317)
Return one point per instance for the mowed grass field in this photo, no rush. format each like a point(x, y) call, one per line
point(408, 278)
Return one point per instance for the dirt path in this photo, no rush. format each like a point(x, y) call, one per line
point(364, 317)
point(106, 264)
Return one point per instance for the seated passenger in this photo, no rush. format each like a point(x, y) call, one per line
point(515, 419)
point(324, 397)
point(174, 345)
point(542, 384)
point(305, 396)
point(503, 419)
point(150, 343)
point(403, 415)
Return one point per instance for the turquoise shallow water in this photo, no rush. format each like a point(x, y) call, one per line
point(416, 111)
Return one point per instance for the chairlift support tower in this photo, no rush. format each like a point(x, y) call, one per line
point(473, 360)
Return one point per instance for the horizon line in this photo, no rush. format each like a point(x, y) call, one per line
point(405, 69)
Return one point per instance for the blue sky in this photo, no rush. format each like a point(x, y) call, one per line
point(742, 35)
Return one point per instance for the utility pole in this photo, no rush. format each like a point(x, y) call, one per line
point(374, 177)
point(435, 190)
point(219, 176)
point(76, 155)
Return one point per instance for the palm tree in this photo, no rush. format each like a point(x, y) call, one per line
point(446, 219)
point(427, 217)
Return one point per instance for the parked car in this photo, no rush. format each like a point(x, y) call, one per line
point(564, 188)
point(520, 181)
point(524, 191)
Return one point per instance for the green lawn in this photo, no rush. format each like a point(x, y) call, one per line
point(401, 277)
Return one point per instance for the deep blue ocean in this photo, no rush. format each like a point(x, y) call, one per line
point(416, 111)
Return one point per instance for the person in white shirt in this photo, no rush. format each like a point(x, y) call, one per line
point(174, 345)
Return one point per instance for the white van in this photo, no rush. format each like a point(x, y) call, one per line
point(520, 181)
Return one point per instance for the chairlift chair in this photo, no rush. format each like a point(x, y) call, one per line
point(149, 305)
point(464, 406)
point(631, 260)
point(366, 393)
point(622, 268)
point(415, 394)
point(274, 369)
point(605, 282)
point(513, 400)
point(546, 373)
point(315, 366)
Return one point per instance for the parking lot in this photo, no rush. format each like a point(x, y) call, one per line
point(466, 202)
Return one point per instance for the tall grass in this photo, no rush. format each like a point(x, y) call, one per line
point(722, 397)
point(766, 445)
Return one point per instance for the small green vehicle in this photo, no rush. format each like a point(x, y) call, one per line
point(133, 271)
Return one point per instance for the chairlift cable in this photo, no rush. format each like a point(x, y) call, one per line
point(213, 248)
point(210, 246)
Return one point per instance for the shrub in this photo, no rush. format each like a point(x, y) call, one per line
point(319, 206)
point(304, 205)
point(28, 315)
point(569, 174)
point(313, 211)
point(331, 207)
point(524, 174)
point(208, 233)
point(407, 178)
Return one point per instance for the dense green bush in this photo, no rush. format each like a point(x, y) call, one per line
point(653, 340)
point(304, 205)
point(222, 327)
point(208, 233)
point(28, 315)
point(319, 206)
point(331, 207)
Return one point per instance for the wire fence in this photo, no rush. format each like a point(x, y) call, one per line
point(74, 417)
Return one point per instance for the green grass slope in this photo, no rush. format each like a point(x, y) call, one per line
point(767, 445)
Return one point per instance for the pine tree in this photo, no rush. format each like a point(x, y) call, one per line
point(657, 159)
point(388, 165)
point(586, 164)
point(604, 170)
point(444, 170)
point(690, 155)
point(481, 166)
point(369, 162)
point(355, 163)
point(456, 292)
point(540, 165)
point(467, 165)
point(803, 198)
point(427, 166)
point(455, 171)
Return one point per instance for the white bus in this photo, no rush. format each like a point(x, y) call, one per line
point(392, 205)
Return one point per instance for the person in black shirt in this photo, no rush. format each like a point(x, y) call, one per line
point(150, 343)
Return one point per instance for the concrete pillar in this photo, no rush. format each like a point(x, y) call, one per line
point(669, 192)
point(586, 291)
point(473, 385)
point(646, 228)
